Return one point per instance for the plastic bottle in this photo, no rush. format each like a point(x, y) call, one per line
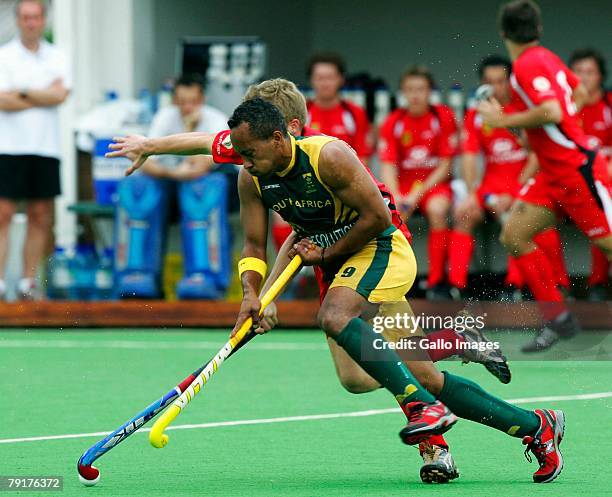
point(455, 100)
point(382, 104)
point(435, 97)
point(83, 267)
point(145, 115)
point(164, 96)
point(59, 276)
point(105, 275)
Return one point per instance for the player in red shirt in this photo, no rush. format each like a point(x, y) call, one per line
point(596, 120)
point(416, 147)
point(328, 113)
point(573, 179)
point(507, 166)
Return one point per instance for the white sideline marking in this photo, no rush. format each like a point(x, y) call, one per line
point(309, 417)
point(136, 344)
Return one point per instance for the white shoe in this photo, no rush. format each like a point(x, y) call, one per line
point(27, 289)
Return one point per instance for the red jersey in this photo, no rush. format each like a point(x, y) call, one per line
point(346, 121)
point(224, 153)
point(416, 144)
point(596, 121)
point(539, 75)
point(504, 155)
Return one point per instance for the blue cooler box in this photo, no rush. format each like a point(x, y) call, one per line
point(107, 173)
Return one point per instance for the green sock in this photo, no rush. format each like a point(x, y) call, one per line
point(383, 364)
point(469, 401)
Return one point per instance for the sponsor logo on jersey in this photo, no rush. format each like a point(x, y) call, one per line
point(331, 237)
point(502, 146)
point(300, 204)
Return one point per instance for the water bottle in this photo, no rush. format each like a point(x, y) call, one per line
point(455, 100)
point(382, 104)
point(105, 275)
point(435, 98)
point(164, 96)
point(145, 115)
point(59, 276)
point(84, 266)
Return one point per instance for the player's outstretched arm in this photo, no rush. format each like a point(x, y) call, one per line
point(254, 222)
point(138, 148)
point(341, 170)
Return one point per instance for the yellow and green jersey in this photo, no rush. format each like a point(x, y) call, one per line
point(302, 199)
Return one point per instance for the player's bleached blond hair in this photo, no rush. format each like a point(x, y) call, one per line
point(283, 94)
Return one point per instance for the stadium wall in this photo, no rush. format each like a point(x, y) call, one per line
point(451, 36)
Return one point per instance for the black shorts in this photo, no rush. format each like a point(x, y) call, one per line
point(27, 177)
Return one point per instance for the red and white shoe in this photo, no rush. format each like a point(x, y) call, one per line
point(545, 445)
point(425, 420)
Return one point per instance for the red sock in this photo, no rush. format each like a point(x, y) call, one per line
point(437, 243)
point(460, 250)
point(513, 274)
point(538, 274)
point(600, 267)
point(550, 242)
point(436, 440)
point(448, 336)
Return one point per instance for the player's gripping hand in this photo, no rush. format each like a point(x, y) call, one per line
point(248, 309)
point(269, 319)
point(133, 147)
point(311, 254)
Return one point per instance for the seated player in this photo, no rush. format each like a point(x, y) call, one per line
point(320, 187)
point(508, 165)
point(573, 179)
point(177, 181)
point(595, 117)
point(416, 147)
point(438, 463)
point(187, 113)
point(328, 113)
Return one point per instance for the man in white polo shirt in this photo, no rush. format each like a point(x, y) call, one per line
point(188, 113)
point(34, 81)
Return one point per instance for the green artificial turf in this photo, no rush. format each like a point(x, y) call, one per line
point(60, 383)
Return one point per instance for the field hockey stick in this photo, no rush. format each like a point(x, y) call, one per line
point(157, 437)
point(90, 475)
